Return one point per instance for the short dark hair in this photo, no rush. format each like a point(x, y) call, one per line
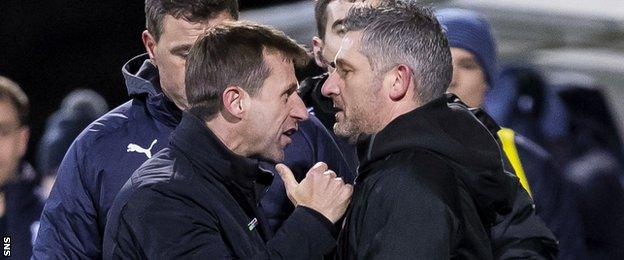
point(320, 14)
point(190, 10)
point(404, 32)
point(233, 54)
point(10, 91)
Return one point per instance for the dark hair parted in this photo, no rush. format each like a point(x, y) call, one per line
point(404, 32)
point(232, 54)
point(320, 14)
point(190, 10)
point(10, 91)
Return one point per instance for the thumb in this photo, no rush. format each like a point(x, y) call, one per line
point(288, 178)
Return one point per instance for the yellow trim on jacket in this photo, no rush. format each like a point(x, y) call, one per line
point(507, 137)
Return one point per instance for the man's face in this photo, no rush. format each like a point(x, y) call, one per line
point(355, 91)
point(13, 141)
point(275, 111)
point(169, 53)
point(468, 78)
point(328, 47)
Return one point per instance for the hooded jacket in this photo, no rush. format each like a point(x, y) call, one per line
point(198, 199)
point(109, 150)
point(431, 185)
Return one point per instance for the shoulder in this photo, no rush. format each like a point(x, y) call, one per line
point(109, 125)
point(415, 173)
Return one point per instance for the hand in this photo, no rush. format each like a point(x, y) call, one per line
point(320, 190)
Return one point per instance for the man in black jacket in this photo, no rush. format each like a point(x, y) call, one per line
point(431, 182)
point(200, 196)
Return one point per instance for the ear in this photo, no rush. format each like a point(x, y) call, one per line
point(317, 50)
point(150, 43)
point(23, 137)
point(235, 101)
point(401, 77)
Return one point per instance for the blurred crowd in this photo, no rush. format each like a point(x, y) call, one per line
point(562, 141)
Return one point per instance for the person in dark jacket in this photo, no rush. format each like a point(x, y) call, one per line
point(78, 109)
point(475, 73)
point(20, 205)
point(200, 196)
point(596, 169)
point(109, 150)
point(520, 233)
point(431, 182)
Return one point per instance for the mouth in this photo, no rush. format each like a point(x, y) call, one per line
point(337, 111)
point(289, 132)
point(286, 136)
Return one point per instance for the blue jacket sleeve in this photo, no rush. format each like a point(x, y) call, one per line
point(69, 228)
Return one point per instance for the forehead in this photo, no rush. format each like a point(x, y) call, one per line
point(459, 53)
point(337, 10)
point(350, 47)
point(179, 29)
point(282, 68)
point(8, 113)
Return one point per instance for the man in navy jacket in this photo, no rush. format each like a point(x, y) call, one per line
point(105, 154)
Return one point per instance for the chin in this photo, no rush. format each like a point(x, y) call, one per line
point(274, 157)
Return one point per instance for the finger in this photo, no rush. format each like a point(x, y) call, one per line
point(319, 167)
point(346, 192)
point(331, 174)
point(290, 183)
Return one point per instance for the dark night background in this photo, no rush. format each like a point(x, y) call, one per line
point(52, 47)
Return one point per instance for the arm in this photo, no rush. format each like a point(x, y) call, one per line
point(159, 227)
point(68, 226)
point(522, 234)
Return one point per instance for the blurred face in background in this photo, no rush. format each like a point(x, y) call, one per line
point(169, 53)
point(325, 50)
point(13, 141)
point(468, 82)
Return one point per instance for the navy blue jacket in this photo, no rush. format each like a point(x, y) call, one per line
point(22, 209)
point(109, 150)
point(197, 199)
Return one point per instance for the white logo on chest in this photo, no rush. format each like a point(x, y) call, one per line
point(133, 148)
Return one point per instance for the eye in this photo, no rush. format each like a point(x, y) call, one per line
point(331, 67)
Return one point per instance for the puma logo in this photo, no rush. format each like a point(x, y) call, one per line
point(138, 149)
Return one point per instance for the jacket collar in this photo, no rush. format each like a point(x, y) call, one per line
point(143, 82)
point(198, 143)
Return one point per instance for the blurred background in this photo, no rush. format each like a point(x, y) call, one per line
point(53, 47)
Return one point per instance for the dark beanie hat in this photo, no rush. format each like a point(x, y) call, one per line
point(78, 110)
point(470, 31)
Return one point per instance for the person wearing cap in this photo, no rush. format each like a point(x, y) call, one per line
point(475, 72)
point(78, 109)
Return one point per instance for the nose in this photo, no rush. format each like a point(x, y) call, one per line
point(331, 85)
point(455, 78)
point(298, 110)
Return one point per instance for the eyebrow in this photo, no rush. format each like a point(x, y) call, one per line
point(183, 47)
point(342, 63)
point(291, 88)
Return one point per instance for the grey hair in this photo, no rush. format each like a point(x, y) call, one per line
point(404, 32)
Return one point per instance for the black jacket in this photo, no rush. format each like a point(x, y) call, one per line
point(518, 234)
point(197, 199)
point(23, 207)
point(431, 184)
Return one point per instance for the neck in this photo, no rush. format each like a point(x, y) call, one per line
point(397, 109)
point(228, 134)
